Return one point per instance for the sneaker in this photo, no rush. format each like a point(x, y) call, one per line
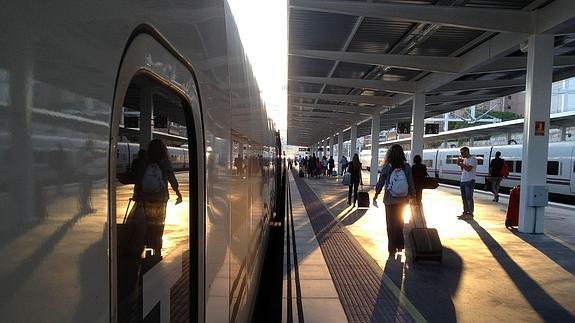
point(466, 217)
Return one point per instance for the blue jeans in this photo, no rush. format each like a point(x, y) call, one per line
point(467, 196)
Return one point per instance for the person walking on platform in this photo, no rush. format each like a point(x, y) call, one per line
point(355, 170)
point(344, 163)
point(311, 166)
point(496, 174)
point(468, 165)
point(397, 179)
point(419, 172)
point(331, 165)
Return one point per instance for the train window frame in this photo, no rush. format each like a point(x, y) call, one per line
point(518, 166)
point(146, 42)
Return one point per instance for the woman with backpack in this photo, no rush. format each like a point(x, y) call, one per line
point(355, 169)
point(396, 177)
point(154, 193)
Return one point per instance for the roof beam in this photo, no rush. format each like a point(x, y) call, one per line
point(497, 47)
point(376, 100)
point(460, 98)
point(497, 20)
point(412, 62)
point(507, 64)
point(337, 115)
point(340, 108)
point(479, 85)
point(379, 85)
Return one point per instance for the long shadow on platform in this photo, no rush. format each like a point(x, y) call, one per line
point(429, 286)
point(540, 301)
point(560, 254)
point(353, 217)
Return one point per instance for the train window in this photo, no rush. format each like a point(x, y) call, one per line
point(451, 159)
point(509, 164)
point(552, 167)
point(573, 167)
point(479, 159)
point(518, 166)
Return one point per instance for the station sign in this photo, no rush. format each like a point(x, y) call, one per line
point(303, 149)
point(540, 128)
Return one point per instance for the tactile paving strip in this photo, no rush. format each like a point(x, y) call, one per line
point(356, 276)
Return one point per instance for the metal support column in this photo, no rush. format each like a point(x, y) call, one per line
point(353, 141)
point(418, 124)
point(324, 147)
point(536, 131)
point(374, 149)
point(146, 116)
point(339, 151)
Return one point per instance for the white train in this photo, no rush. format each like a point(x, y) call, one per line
point(442, 163)
point(67, 73)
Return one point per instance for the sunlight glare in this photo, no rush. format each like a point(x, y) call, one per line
point(262, 26)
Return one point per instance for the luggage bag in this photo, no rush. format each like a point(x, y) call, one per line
point(425, 242)
point(362, 198)
point(512, 215)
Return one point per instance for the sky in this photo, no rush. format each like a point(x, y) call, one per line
point(262, 26)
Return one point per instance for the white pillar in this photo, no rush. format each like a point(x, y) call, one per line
point(333, 146)
point(536, 139)
point(353, 141)
point(446, 121)
point(418, 125)
point(146, 116)
point(374, 149)
point(563, 133)
point(330, 145)
point(324, 147)
point(339, 150)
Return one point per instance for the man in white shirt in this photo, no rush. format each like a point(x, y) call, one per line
point(468, 165)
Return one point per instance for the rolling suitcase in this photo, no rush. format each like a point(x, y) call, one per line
point(362, 198)
point(512, 215)
point(425, 242)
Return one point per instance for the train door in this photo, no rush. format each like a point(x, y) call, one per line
point(157, 253)
point(572, 166)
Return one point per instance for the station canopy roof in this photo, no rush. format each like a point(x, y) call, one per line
point(352, 59)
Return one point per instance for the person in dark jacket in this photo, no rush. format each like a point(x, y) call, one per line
point(495, 175)
point(419, 172)
point(355, 169)
point(395, 161)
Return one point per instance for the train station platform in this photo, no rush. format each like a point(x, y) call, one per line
point(337, 268)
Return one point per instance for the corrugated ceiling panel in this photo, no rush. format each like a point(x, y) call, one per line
point(378, 35)
point(304, 66)
point(445, 41)
point(317, 30)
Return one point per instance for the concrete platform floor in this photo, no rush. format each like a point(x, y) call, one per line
point(488, 274)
